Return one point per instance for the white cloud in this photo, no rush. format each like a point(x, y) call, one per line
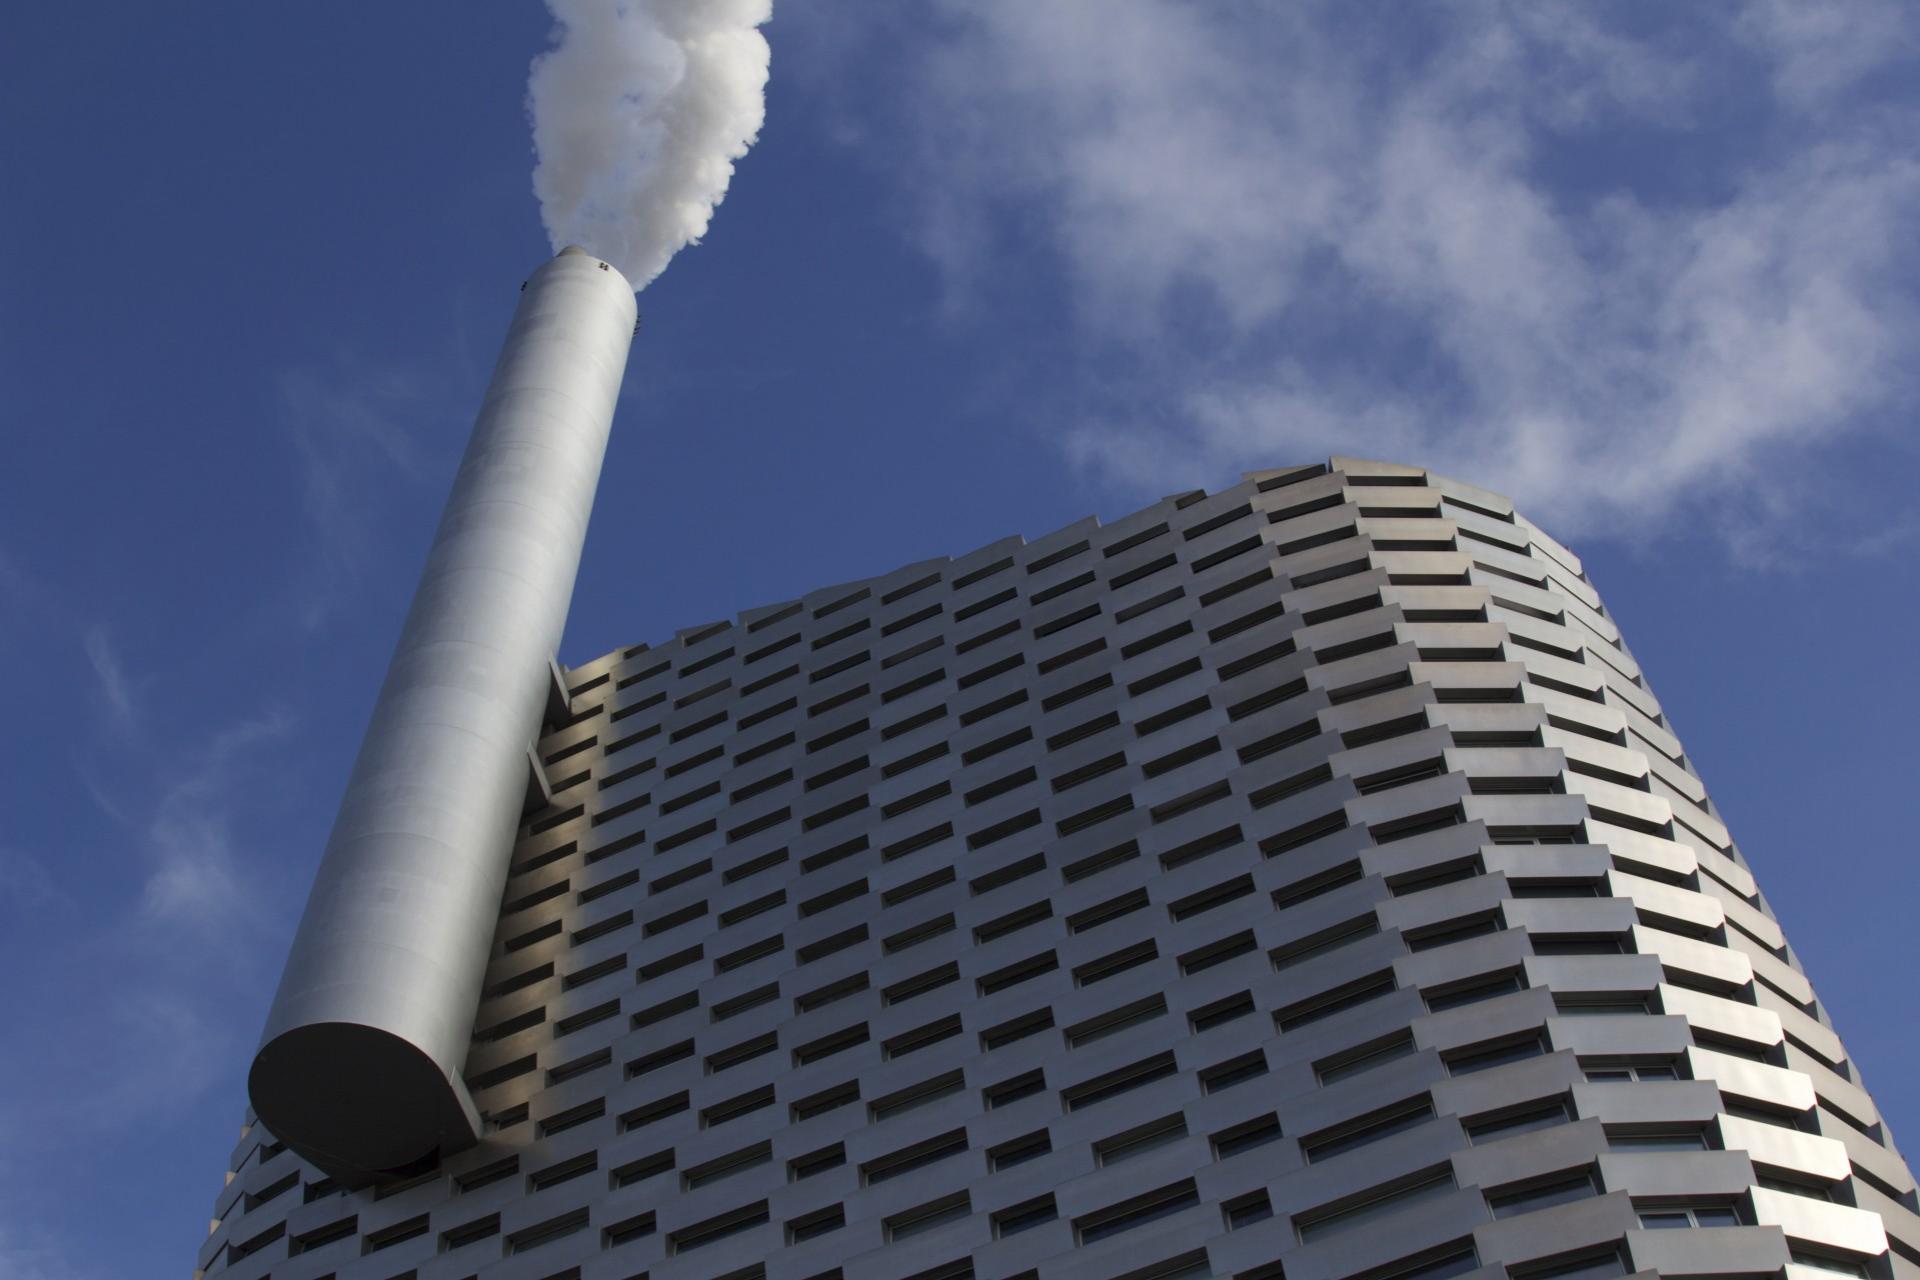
point(1292, 235)
point(195, 881)
point(1821, 50)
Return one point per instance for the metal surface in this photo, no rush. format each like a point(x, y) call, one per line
point(359, 1067)
point(1135, 902)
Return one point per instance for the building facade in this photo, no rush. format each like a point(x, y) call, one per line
point(1294, 880)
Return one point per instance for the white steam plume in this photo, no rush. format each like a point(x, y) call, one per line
point(639, 111)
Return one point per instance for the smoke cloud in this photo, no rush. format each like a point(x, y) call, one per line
point(639, 111)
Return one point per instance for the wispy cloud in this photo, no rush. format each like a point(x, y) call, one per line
point(110, 676)
point(26, 1255)
point(355, 427)
point(195, 882)
point(26, 885)
point(168, 963)
point(1608, 271)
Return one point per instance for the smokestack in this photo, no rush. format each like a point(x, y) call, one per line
point(359, 1068)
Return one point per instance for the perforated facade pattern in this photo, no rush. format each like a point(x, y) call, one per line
point(1299, 879)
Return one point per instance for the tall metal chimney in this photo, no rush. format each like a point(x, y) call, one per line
point(359, 1068)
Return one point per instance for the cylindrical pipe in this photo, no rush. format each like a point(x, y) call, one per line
point(359, 1068)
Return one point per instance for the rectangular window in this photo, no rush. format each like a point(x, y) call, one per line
point(1452, 931)
point(746, 1000)
point(540, 1233)
point(1114, 1021)
point(640, 1170)
point(1001, 877)
point(1016, 973)
point(628, 1229)
point(1472, 991)
point(567, 1170)
point(1245, 1136)
point(914, 888)
point(1013, 922)
point(1026, 1216)
point(1512, 1202)
point(715, 1229)
point(1024, 1085)
point(308, 1241)
point(1341, 998)
point(1137, 1212)
point(1594, 1004)
point(1323, 941)
point(1112, 909)
point(1094, 864)
point(1578, 945)
point(815, 1162)
point(733, 1108)
point(1123, 1080)
point(748, 954)
point(828, 1045)
point(821, 997)
point(1442, 1263)
point(1006, 1033)
point(1019, 1150)
point(1488, 1055)
point(1140, 1140)
point(1118, 962)
point(1225, 1075)
point(917, 1095)
point(1668, 1217)
point(826, 946)
point(1246, 1210)
point(1629, 1072)
point(920, 983)
point(573, 1117)
point(1371, 1206)
point(918, 1156)
point(744, 1052)
point(1512, 1123)
point(927, 1217)
point(653, 1112)
point(920, 1037)
point(467, 1233)
point(817, 1223)
point(1363, 1057)
point(1314, 886)
point(1366, 1129)
point(1218, 953)
point(387, 1237)
point(486, 1175)
point(726, 1166)
point(818, 1104)
point(917, 934)
point(1671, 1140)
point(1221, 1012)
point(1207, 899)
point(834, 897)
point(667, 964)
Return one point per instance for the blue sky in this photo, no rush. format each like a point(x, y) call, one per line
point(992, 267)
